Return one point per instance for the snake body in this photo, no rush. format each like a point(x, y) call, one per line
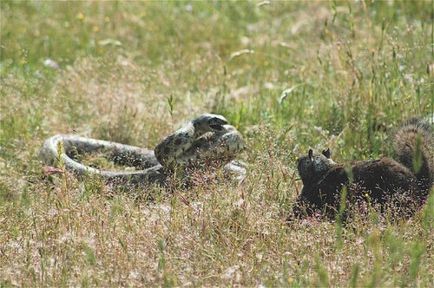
point(207, 138)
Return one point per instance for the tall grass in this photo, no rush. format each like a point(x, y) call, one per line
point(289, 75)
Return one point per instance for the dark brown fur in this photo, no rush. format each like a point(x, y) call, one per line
point(383, 183)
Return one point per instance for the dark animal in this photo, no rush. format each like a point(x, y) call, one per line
point(399, 186)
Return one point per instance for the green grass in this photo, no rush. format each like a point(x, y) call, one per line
point(131, 72)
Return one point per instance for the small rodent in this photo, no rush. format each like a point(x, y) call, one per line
point(400, 186)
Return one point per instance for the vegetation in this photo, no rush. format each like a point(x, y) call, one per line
point(289, 75)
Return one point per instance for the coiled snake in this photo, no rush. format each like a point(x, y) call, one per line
point(204, 140)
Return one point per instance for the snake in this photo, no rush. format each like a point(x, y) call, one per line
point(207, 140)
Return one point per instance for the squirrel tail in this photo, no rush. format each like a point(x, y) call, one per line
point(414, 145)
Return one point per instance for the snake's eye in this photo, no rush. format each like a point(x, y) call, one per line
point(217, 123)
point(216, 127)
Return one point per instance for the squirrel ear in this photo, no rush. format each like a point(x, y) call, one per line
point(327, 153)
point(310, 154)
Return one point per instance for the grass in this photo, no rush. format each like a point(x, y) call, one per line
point(345, 73)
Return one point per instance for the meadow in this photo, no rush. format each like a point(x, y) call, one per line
point(289, 75)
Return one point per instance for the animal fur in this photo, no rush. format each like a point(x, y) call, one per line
point(402, 184)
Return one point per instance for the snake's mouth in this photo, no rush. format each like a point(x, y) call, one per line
point(216, 127)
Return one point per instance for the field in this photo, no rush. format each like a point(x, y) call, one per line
point(288, 75)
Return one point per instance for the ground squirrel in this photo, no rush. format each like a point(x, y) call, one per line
point(402, 184)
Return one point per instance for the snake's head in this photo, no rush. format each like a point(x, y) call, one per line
point(209, 123)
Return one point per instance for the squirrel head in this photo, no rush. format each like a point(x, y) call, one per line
point(313, 167)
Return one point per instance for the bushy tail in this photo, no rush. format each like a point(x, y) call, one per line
point(414, 145)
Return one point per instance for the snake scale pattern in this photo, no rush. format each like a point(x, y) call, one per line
point(204, 140)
